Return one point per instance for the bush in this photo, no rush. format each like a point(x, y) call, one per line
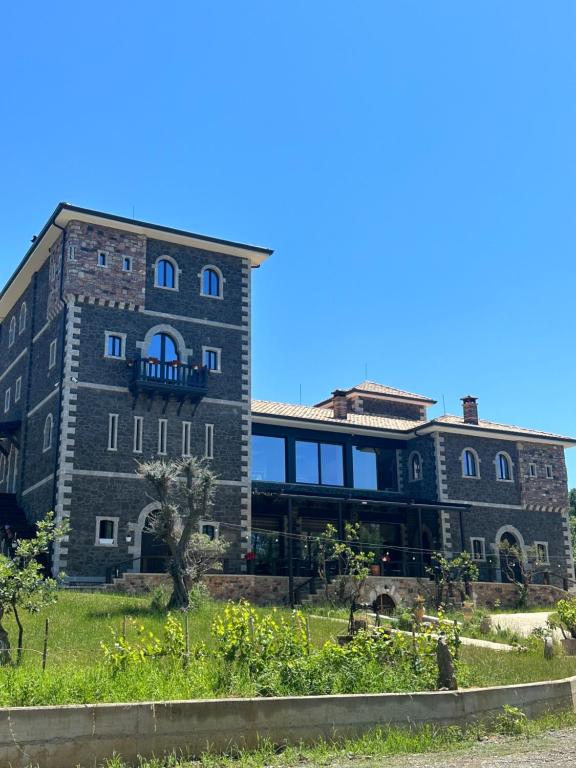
point(512, 721)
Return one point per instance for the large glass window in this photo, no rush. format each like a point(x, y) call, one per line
point(374, 468)
point(268, 458)
point(319, 463)
point(165, 274)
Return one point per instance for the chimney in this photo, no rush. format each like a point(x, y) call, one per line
point(470, 408)
point(339, 404)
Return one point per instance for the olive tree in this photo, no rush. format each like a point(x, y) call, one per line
point(184, 490)
point(23, 584)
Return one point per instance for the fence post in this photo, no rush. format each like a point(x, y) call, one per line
point(45, 648)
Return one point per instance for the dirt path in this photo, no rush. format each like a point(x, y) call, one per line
point(522, 623)
point(557, 748)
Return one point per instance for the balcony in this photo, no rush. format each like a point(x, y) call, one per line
point(174, 379)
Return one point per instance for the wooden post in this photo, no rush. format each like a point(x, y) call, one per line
point(186, 639)
point(45, 648)
point(420, 542)
point(290, 554)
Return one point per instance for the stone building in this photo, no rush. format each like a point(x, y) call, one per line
point(123, 340)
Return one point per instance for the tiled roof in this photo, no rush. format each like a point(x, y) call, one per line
point(310, 413)
point(373, 388)
point(496, 427)
point(381, 389)
point(313, 413)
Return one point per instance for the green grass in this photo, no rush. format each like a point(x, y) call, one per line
point(76, 673)
point(374, 748)
point(80, 621)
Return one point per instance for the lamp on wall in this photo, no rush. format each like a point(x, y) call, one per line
point(128, 538)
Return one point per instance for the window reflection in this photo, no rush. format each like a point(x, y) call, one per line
point(374, 468)
point(268, 458)
point(319, 463)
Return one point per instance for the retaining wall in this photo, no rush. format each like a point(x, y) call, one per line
point(66, 737)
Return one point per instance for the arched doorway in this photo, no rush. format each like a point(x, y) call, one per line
point(384, 605)
point(509, 566)
point(154, 552)
point(162, 353)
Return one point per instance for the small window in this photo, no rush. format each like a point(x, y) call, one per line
point(415, 467)
point(209, 528)
point(48, 425)
point(542, 557)
point(186, 438)
point(212, 359)
point(138, 433)
point(549, 472)
point(469, 463)
point(12, 332)
point(211, 282)
point(503, 468)
point(209, 442)
point(18, 389)
point(23, 314)
point(162, 436)
point(52, 355)
point(532, 470)
point(478, 547)
point(112, 431)
point(106, 531)
point(102, 258)
point(71, 253)
point(166, 274)
point(127, 264)
point(7, 397)
point(115, 345)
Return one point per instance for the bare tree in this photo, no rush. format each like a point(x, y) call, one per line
point(184, 490)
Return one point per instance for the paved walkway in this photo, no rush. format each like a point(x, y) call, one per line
point(522, 623)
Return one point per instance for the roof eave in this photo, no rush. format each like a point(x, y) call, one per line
point(510, 434)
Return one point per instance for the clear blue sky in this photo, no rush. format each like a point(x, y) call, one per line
point(413, 165)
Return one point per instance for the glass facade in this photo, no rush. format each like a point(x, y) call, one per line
point(268, 458)
point(374, 469)
point(319, 463)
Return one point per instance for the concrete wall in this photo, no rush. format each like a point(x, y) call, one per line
point(55, 737)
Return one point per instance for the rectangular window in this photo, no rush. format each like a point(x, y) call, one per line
point(269, 458)
point(106, 531)
point(319, 463)
point(186, 438)
point(112, 431)
point(127, 264)
point(115, 345)
point(209, 442)
point(138, 433)
point(7, 396)
point(211, 359)
point(71, 253)
point(532, 470)
point(18, 389)
point(542, 556)
point(162, 436)
point(374, 468)
point(102, 258)
point(549, 472)
point(52, 355)
point(478, 547)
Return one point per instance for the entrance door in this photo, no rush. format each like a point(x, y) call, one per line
point(155, 554)
point(162, 354)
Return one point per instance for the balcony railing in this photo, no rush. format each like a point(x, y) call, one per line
point(151, 376)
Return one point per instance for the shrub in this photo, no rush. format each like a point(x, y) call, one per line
point(512, 721)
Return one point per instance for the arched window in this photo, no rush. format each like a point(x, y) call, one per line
point(12, 332)
point(48, 425)
point(163, 357)
point(415, 466)
point(503, 467)
point(211, 282)
point(22, 323)
point(469, 463)
point(166, 275)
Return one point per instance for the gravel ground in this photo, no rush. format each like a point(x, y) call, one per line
point(557, 748)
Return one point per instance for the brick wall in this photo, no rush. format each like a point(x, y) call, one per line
point(541, 490)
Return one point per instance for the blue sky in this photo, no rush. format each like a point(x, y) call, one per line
point(413, 165)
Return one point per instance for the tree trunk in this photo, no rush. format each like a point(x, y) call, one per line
point(5, 656)
point(179, 598)
point(20, 634)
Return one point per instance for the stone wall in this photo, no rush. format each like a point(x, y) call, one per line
point(540, 491)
